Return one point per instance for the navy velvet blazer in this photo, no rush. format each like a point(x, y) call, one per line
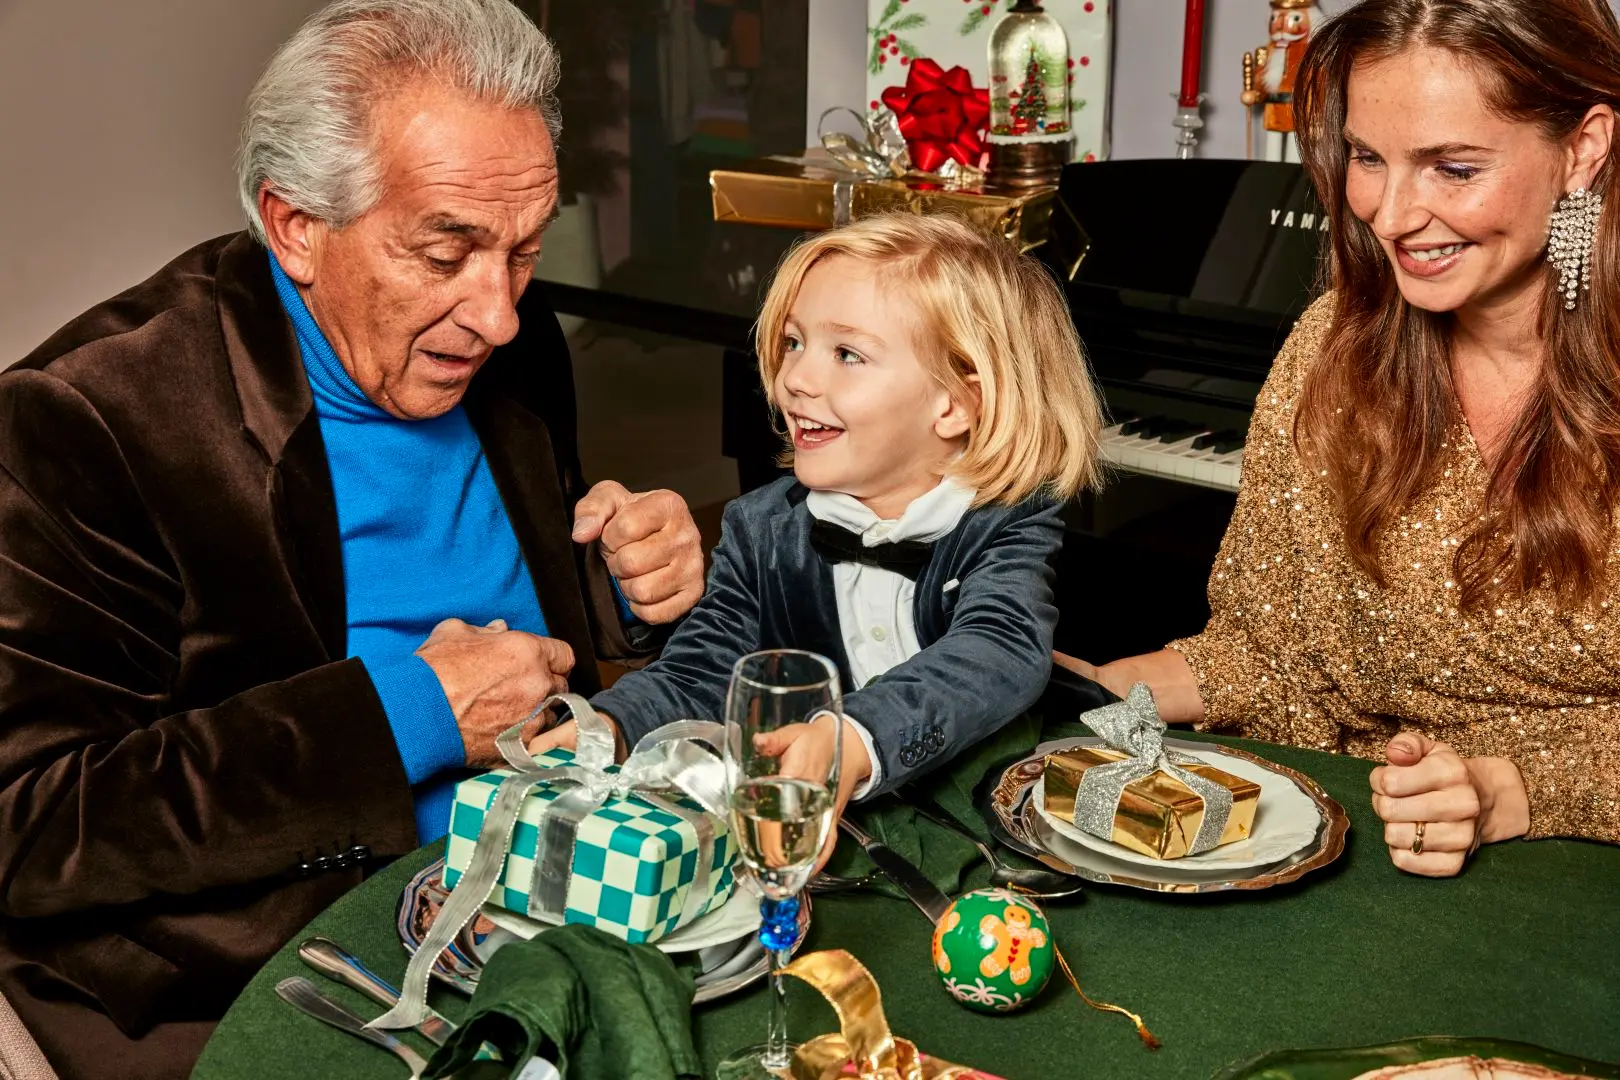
point(987, 638)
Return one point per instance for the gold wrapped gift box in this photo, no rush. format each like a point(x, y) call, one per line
point(804, 193)
point(1158, 815)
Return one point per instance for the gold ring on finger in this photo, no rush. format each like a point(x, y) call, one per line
point(1417, 838)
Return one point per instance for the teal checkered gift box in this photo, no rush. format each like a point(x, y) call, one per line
point(636, 849)
point(633, 864)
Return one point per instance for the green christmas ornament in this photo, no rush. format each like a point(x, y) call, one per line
point(993, 950)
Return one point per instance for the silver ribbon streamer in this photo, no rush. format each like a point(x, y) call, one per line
point(1134, 727)
point(672, 756)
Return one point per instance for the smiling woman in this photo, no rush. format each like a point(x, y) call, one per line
point(1421, 563)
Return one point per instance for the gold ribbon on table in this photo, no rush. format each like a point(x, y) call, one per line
point(673, 757)
point(863, 1039)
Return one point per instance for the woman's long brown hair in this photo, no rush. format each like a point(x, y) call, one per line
point(1379, 403)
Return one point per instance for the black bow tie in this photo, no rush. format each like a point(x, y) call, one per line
point(837, 544)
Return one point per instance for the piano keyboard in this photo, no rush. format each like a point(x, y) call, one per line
point(1175, 449)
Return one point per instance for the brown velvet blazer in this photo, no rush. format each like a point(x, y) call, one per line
point(181, 735)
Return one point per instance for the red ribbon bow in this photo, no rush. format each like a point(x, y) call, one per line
point(941, 115)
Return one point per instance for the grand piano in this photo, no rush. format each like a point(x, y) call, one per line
point(1183, 278)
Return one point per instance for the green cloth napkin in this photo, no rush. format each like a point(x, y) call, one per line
point(592, 1004)
point(949, 859)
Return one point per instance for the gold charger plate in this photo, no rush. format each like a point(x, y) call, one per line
point(1011, 814)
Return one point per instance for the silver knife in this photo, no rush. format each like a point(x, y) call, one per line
point(338, 964)
point(918, 889)
point(300, 993)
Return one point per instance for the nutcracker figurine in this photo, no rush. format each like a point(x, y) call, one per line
point(1274, 66)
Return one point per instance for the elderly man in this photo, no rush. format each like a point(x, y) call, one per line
point(285, 536)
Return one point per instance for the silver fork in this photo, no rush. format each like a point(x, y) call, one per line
point(300, 993)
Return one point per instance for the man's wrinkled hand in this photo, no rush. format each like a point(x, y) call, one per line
point(493, 678)
point(651, 546)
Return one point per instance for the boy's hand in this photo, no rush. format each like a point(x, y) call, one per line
point(566, 737)
point(806, 750)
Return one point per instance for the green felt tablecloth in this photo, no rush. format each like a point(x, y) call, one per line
point(1522, 946)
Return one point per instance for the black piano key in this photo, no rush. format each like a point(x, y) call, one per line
point(1176, 430)
point(1227, 442)
point(1136, 424)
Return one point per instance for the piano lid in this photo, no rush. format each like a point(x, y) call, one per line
point(1198, 265)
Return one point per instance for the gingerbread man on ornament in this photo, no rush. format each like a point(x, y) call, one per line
point(1269, 72)
point(1014, 938)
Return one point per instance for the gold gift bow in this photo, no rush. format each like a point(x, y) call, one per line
point(863, 1038)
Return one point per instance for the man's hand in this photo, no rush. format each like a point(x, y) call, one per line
point(651, 545)
point(493, 678)
point(1459, 803)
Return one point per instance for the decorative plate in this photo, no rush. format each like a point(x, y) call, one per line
point(1014, 816)
point(1286, 821)
point(722, 926)
point(1434, 1058)
point(729, 954)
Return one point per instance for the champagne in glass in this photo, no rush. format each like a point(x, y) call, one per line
point(782, 801)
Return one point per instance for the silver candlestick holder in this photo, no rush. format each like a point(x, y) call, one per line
point(1189, 122)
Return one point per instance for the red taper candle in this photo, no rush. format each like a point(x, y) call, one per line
point(1192, 54)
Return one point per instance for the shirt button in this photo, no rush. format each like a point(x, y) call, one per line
point(878, 634)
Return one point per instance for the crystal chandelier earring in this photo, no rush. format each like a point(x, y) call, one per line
point(1569, 245)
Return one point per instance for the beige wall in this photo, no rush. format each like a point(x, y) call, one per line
point(117, 126)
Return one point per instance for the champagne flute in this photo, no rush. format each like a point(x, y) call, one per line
point(781, 809)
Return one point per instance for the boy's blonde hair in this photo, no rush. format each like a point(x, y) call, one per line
point(985, 311)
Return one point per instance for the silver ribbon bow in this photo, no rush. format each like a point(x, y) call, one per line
point(877, 153)
point(671, 757)
point(1134, 726)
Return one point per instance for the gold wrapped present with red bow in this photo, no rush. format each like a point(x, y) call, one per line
point(919, 152)
point(863, 1048)
point(817, 191)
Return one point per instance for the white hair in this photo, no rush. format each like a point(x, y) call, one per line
point(308, 130)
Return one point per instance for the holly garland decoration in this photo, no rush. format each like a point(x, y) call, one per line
point(887, 43)
point(980, 12)
point(890, 45)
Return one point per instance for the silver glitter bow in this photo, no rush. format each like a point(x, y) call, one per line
point(877, 153)
point(670, 757)
point(1134, 727)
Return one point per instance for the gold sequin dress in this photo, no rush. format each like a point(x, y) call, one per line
point(1302, 648)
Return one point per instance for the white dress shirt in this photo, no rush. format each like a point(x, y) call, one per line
point(876, 607)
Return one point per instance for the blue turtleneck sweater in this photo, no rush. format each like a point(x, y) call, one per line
point(425, 537)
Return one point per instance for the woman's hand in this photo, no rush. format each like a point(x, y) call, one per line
point(1457, 802)
point(1175, 688)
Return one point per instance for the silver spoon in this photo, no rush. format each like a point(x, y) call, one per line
point(1045, 884)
